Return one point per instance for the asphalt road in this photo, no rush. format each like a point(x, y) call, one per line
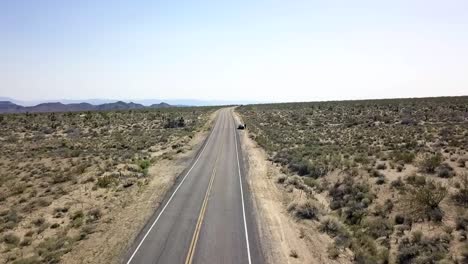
point(207, 217)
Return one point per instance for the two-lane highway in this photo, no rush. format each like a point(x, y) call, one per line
point(207, 216)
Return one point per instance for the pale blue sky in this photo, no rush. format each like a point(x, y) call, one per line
point(234, 50)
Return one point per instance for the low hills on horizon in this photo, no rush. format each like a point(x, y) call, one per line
point(10, 107)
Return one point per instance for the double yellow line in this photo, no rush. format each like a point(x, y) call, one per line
point(193, 244)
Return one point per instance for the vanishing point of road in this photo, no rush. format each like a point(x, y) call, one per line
point(207, 217)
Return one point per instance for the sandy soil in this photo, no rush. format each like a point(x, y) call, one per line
point(281, 234)
point(117, 232)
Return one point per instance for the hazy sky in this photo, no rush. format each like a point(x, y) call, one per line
point(286, 50)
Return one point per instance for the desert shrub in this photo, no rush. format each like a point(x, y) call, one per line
point(144, 166)
point(429, 162)
point(281, 179)
point(26, 241)
point(317, 171)
point(11, 238)
point(39, 221)
point(9, 219)
point(461, 222)
point(399, 219)
point(380, 180)
point(81, 168)
point(105, 181)
point(365, 249)
point(18, 188)
point(381, 166)
point(174, 123)
point(60, 178)
point(311, 182)
point(397, 184)
point(375, 173)
point(304, 210)
point(295, 180)
point(360, 158)
point(94, 214)
point(85, 231)
point(399, 168)
point(404, 156)
point(383, 210)
point(352, 197)
point(29, 233)
point(416, 180)
point(61, 209)
point(422, 249)
point(423, 202)
point(353, 213)
point(461, 162)
point(77, 218)
point(53, 248)
point(301, 168)
point(445, 171)
point(460, 197)
point(76, 214)
point(332, 227)
point(377, 227)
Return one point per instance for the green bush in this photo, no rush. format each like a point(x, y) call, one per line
point(144, 165)
point(430, 162)
point(105, 181)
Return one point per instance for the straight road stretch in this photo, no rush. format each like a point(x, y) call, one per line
point(207, 216)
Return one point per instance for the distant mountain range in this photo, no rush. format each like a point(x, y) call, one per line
point(10, 107)
point(145, 102)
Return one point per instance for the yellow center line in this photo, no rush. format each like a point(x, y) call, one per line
point(196, 233)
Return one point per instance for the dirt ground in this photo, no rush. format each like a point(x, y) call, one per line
point(282, 235)
point(119, 229)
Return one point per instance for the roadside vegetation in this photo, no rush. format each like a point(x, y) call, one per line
point(385, 179)
point(62, 175)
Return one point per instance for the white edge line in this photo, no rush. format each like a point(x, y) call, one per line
point(242, 196)
point(170, 198)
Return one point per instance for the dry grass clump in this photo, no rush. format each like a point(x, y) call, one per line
point(61, 173)
point(383, 167)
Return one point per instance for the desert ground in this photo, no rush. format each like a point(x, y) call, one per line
point(77, 187)
point(371, 181)
point(374, 181)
